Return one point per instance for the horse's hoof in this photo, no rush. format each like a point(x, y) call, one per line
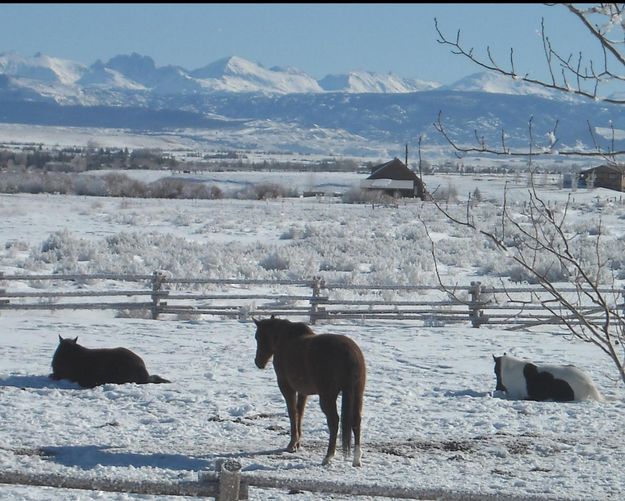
point(357, 456)
point(292, 447)
point(326, 460)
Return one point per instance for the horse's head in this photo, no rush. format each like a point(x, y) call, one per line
point(63, 359)
point(264, 341)
point(498, 374)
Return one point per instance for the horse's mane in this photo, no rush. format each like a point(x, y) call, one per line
point(293, 328)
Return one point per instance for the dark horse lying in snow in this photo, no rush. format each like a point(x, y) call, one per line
point(521, 379)
point(310, 364)
point(93, 367)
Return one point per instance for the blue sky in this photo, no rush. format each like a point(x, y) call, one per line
point(319, 39)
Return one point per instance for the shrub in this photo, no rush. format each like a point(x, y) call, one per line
point(275, 262)
point(359, 196)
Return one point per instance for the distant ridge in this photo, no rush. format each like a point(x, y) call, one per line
point(284, 109)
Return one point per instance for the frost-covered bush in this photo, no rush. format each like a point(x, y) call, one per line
point(293, 232)
point(90, 186)
point(589, 227)
point(112, 184)
point(167, 188)
point(121, 185)
point(265, 191)
point(447, 193)
point(275, 261)
point(65, 252)
point(357, 195)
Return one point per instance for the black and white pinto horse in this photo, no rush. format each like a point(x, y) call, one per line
point(522, 379)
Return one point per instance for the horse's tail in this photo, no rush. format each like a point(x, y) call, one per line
point(347, 411)
point(157, 379)
point(351, 408)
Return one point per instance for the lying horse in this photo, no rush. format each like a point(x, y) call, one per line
point(93, 367)
point(522, 379)
point(310, 364)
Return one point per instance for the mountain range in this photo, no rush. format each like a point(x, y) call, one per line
point(132, 92)
point(68, 82)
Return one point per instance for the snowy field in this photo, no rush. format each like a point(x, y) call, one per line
point(431, 417)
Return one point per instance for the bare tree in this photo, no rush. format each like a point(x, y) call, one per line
point(571, 267)
point(575, 74)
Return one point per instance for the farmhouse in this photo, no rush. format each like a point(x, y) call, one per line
point(605, 176)
point(394, 178)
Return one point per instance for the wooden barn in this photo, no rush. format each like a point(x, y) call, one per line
point(396, 179)
point(604, 176)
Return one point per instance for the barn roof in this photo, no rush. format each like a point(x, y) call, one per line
point(620, 168)
point(395, 169)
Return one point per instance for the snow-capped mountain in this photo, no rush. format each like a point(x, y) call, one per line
point(366, 81)
point(58, 79)
point(132, 92)
point(40, 68)
point(69, 82)
point(235, 74)
point(100, 75)
point(495, 83)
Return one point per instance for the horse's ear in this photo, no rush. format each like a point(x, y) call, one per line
point(255, 321)
point(273, 316)
point(60, 339)
point(76, 339)
point(494, 358)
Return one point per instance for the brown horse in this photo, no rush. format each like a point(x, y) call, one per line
point(92, 367)
point(311, 364)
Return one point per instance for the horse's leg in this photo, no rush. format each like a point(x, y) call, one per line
point(356, 417)
point(290, 397)
point(301, 406)
point(328, 406)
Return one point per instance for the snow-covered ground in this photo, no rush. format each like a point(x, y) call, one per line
point(431, 417)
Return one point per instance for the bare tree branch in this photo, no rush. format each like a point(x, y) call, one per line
point(581, 74)
point(593, 315)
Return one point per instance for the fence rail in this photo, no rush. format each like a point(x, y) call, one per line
point(227, 483)
point(157, 294)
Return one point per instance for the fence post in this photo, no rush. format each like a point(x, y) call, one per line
point(229, 480)
point(157, 282)
point(3, 291)
point(475, 312)
point(317, 285)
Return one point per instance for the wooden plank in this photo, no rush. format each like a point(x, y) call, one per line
point(43, 294)
point(329, 487)
point(276, 297)
point(80, 278)
point(77, 306)
point(207, 488)
point(396, 303)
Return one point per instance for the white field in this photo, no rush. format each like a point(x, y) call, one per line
point(431, 417)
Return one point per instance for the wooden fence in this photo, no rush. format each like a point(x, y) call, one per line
point(158, 294)
point(227, 483)
point(314, 300)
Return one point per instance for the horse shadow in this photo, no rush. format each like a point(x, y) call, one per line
point(467, 393)
point(88, 457)
point(36, 383)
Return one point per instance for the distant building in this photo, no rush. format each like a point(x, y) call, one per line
point(395, 179)
point(604, 176)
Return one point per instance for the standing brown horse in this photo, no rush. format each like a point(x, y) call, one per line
point(310, 364)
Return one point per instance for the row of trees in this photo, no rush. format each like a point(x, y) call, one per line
point(90, 158)
point(83, 159)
